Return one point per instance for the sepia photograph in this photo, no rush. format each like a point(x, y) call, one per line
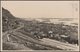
point(40, 25)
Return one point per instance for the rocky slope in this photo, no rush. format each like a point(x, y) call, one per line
point(8, 20)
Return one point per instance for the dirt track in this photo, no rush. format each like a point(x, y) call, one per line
point(44, 42)
point(64, 46)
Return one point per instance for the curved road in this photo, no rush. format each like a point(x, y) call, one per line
point(44, 41)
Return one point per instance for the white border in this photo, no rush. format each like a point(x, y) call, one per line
point(31, 50)
point(1, 26)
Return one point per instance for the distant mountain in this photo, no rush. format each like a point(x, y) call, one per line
point(8, 20)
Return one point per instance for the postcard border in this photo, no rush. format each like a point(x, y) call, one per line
point(38, 50)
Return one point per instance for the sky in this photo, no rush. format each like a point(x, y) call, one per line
point(39, 9)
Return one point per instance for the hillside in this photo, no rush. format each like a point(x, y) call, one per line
point(8, 20)
point(13, 39)
point(29, 33)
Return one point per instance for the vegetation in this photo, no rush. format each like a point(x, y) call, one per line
point(37, 30)
point(9, 22)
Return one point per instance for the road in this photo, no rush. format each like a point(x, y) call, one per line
point(45, 41)
point(64, 46)
point(23, 37)
point(5, 35)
